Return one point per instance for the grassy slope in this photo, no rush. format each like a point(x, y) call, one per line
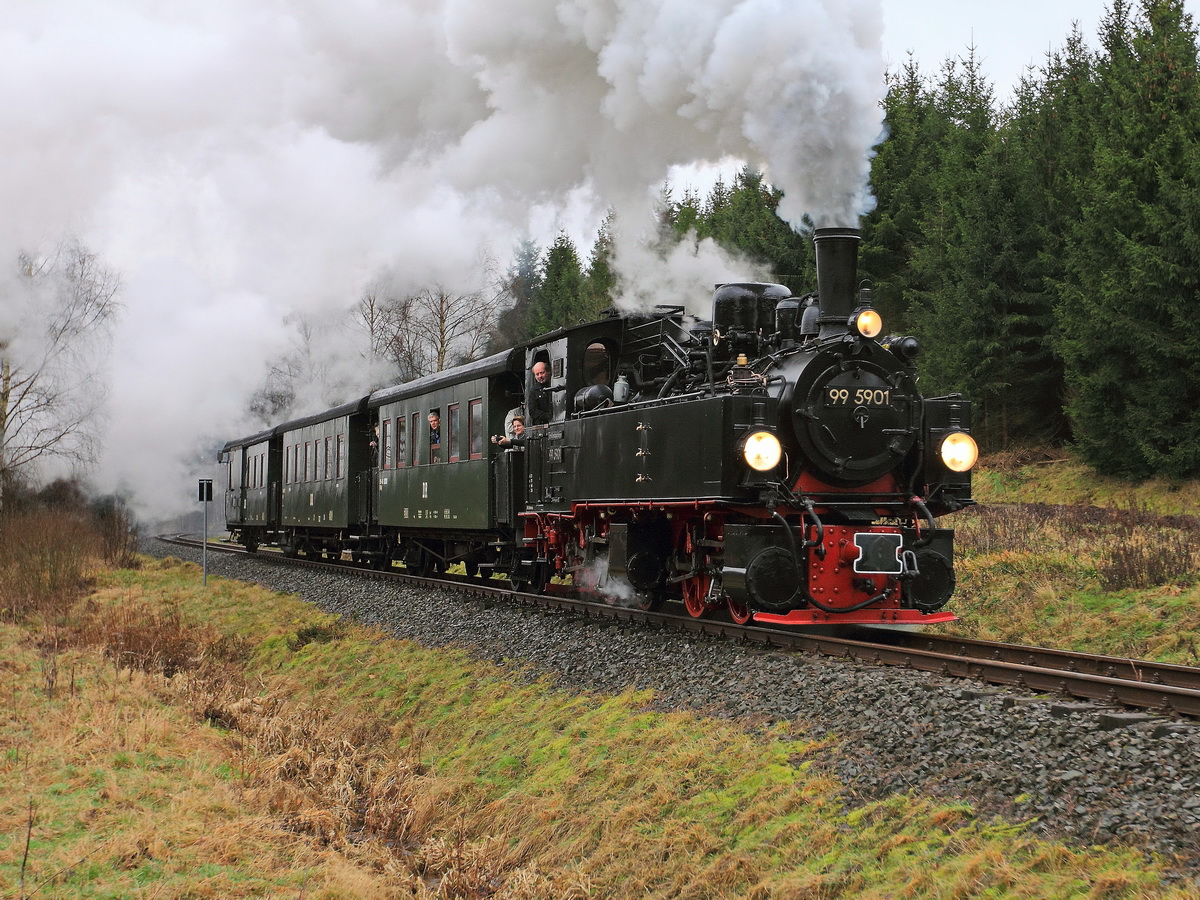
point(1115, 572)
point(308, 758)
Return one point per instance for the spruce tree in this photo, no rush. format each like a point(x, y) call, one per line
point(902, 180)
point(523, 281)
point(1131, 350)
point(600, 279)
point(560, 297)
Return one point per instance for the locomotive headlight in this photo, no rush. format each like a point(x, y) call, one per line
point(959, 451)
point(761, 450)
point(867, 322)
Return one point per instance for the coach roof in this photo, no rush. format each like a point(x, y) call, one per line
point(505, 361)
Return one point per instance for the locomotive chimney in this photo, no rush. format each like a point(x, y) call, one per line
point(837, 267)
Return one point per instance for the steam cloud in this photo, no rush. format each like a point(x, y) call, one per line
point(245, 164)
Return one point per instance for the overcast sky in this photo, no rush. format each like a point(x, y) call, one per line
point(1009, 34)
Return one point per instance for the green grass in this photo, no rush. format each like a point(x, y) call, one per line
point(356, 766)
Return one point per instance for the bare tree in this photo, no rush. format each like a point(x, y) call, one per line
point(52, 351)
point(314, 373)
point(386, 315)
point(451, 328)
point(426, 331)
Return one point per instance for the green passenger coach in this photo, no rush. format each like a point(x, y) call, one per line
point(324, 493)
point(433, 459)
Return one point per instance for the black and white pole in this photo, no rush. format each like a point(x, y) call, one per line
point(205, 498)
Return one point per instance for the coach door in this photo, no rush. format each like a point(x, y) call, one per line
point(544, 456)
point(235, 493)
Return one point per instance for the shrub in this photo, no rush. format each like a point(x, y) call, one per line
point(45, 556)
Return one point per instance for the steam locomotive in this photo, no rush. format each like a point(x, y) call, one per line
point(776, 462)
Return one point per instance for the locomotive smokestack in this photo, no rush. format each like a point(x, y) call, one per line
point(837, 270)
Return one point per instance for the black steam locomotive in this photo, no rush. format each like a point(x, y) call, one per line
point(776, 461)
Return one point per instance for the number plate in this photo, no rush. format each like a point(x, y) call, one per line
point(858, 396)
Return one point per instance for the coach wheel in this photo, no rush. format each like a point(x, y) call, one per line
point(291, 547)
point(695, 595)
point(250, 544)
point(471, 567)
point(739, 611)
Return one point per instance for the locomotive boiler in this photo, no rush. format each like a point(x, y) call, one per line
point(775, 461)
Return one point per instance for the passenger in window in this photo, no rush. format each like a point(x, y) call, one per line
point(541, 404)
point(435, 437)
point(518, 438)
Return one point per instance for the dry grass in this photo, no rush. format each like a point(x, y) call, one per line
point(309, 758)
point(1119, 579)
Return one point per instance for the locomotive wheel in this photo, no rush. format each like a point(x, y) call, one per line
point(649, 601)
point(695, 595)
point(738, 611)
point(533, 583)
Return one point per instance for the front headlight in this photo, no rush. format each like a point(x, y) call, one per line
point(761, 450)
point(867, 322)
point(959, 451)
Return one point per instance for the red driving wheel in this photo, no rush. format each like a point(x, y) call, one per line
point(738, 611)
point(695, 594)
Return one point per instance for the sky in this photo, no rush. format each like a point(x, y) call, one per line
point(1009, 34)
point(250, 168)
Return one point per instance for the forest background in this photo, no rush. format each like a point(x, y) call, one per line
point(1043, 248)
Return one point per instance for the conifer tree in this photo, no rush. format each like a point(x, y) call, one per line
point(1129, 341)
point(600, 278)
point(524, 280)
point(560, 297)
point(902, 173)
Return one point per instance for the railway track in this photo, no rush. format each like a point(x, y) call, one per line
point(1160, 687)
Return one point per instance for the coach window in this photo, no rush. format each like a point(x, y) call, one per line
point(452, 431)
point(307, 451)
point(475, 428)
point(435, 435)
point(385, 448)
point(401, 443)
point(341, 457)
point(329, 460)
point(414, 433)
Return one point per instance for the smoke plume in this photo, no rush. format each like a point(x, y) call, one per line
point(246, 166)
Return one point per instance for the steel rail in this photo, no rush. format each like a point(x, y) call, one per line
point(1136, 683)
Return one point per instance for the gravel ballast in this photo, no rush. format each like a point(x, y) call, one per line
point(1088, 774)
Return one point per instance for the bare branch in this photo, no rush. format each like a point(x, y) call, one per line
point(52, 357)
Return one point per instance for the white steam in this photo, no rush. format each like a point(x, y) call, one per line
point(246, 166)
